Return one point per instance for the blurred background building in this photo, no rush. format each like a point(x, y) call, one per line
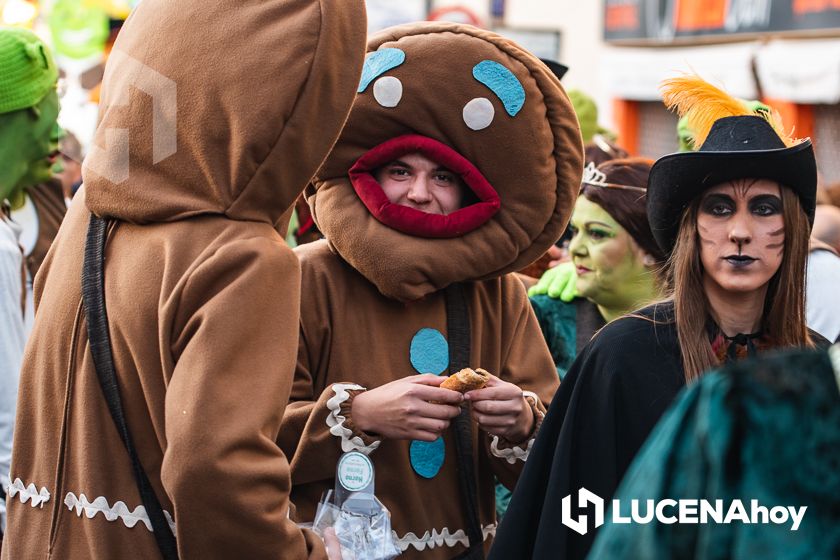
point(784, 52)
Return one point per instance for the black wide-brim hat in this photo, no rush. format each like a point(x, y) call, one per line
point(742, 147)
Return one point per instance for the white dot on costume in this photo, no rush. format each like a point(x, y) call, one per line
point(388, 91)
point(479, 113)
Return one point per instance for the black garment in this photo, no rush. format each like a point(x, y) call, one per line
point(608, 403)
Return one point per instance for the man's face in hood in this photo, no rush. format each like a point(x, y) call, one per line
point(418, 182)
point(28, 146)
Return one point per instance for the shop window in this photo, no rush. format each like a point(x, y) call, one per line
point(827, 142)
point(657, 130)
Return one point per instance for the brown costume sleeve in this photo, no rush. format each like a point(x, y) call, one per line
point(234, 345)
point(317, 429)
point(528, 365)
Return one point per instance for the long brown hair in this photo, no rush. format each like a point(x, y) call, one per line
point(783, 322)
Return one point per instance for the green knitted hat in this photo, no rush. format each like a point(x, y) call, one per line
point(587, 113)
point(27, 69)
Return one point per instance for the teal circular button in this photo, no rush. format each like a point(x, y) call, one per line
point(429, 352)
point(427, 457)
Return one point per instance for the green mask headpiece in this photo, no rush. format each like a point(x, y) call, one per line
point(686, 136)
point(587, 114)
point(27, 69)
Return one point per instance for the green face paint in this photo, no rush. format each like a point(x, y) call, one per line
point(27, 138)
point(609, 264)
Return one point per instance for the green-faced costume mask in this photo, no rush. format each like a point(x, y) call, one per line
point(28, 110)
point(587, 114)
point(79, 28)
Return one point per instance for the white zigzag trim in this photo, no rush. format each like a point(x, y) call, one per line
point(512, 454)
point(29, 493)
point(335, 421)
point(442, 538)
point(118, 511)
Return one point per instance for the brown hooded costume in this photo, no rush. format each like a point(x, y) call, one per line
point(202, 292)
point(373, 309)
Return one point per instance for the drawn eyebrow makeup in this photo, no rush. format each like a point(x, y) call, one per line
point(770, 199)
point(711, 200)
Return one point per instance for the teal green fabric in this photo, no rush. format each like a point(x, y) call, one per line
point(766, 430)
point(503, 83)
point(502, 500)
point(429, 352)
point(427, 457)
point(558, 322)
point(377, 63)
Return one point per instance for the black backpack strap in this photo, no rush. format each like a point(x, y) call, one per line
point(458, 330)
point(93, 295)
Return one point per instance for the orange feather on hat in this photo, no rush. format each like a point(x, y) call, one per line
point(702, 104)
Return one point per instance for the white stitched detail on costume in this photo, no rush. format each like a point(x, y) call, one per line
point(442, 538)
point(118, 511)
point(512, 454)
point(335, 420)
point(29, 493)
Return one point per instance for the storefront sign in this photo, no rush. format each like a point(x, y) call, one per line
point(665, 20)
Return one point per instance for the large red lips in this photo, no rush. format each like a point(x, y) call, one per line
point(410, 220)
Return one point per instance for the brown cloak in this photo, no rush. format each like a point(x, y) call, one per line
point(202, 293)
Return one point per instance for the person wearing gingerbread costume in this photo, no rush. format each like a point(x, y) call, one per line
point(459, 164)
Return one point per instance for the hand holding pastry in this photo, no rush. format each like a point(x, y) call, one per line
point(501, 410)
point(413, 407)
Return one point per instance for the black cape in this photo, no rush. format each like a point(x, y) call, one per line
point(608, 403)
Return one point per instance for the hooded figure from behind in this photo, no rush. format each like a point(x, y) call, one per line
point(205, 140)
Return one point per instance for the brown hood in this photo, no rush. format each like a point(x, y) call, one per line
point(224, 127)
point(531, 155)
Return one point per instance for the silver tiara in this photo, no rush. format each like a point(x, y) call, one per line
point(596, 178)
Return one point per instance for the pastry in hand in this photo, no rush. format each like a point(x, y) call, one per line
point(466, 380)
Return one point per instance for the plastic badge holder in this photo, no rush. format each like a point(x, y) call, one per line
point(362, 524)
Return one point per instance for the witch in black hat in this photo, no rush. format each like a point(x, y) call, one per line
point(734, 218)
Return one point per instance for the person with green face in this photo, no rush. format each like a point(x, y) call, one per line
point(613, 269)
point(614, 260)
point(28, 112)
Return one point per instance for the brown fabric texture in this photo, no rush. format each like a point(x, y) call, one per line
point(351, 334)
point(534, 160)
point(48, 199)
point(201, 291)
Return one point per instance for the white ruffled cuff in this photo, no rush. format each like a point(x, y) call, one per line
point(521, 451)
point(341, 426)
